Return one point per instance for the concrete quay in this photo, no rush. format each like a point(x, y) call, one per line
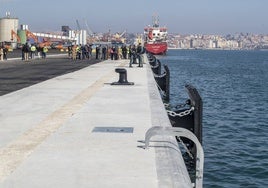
point(77, 130)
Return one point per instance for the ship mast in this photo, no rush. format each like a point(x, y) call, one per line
point(155, 21)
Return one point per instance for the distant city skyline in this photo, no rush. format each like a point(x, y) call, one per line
point(179, 16)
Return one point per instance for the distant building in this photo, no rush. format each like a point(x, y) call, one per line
point(79, 35)
point(7, 25)
point(65, 29)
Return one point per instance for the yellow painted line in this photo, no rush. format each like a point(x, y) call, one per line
point(18, 150)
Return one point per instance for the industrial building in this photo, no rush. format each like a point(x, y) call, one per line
point(12, 34)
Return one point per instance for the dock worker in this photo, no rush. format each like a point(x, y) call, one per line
point(78, 51)
point(45, 50)
point(33, 50)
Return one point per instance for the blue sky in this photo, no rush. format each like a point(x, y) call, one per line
point(180, 16)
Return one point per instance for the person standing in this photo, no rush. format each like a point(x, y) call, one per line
point(116, 53)
point(73, 52)
point(112, 52)
point(97, 52)
point(129, 52)
point(78, 51)
point(90, 50)
point(84, 51)
point(69, 51)
point(5, 50)
point(39, 51)
point(133, 55)
point(139, 52)
point(26, 50)
point(120, 55)
point(1, 53)
point(33, 50)
point(124, 51)
point(45, 50)
point(103, 52)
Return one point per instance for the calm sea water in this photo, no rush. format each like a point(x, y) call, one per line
point(234, 89)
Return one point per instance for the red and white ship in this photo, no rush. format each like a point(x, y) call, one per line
point(155, 38)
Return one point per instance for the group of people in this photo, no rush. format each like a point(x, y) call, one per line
point(135, 54)
point(102, 52)
point(30, 51)
point(131, 52)
point(80, 51)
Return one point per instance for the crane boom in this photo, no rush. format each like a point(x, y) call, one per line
point(14, 34)
point(29, 34)
point(121, 35)
point(90, 32)
point(78, 25)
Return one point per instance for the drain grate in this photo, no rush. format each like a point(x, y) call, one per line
point(113, 129)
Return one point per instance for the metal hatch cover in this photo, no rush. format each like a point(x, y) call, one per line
point(113, 129)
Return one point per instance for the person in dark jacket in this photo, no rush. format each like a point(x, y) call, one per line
point(25, 52)
point(133, 55)
point(139, 52)
point(97, 52)
point(5, 50)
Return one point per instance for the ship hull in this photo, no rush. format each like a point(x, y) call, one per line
point(156, 48)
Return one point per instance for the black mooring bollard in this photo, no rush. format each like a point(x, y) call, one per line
point(122, 77)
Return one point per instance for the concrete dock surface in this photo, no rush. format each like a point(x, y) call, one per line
point(79, 131)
